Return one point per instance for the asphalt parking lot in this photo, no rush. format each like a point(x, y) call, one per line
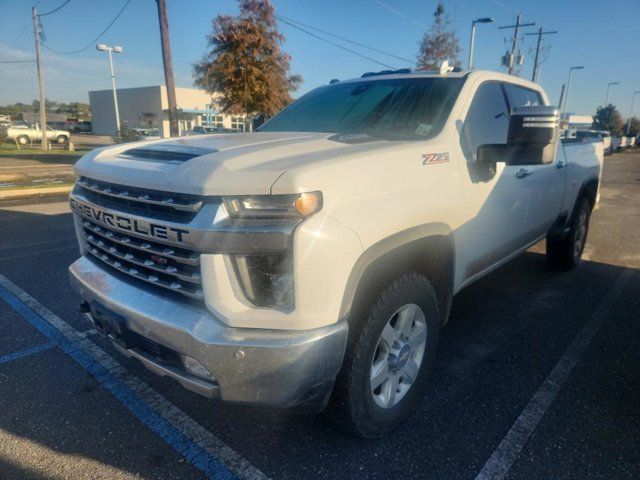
point(537, 377)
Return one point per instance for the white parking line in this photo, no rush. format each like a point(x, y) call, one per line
point(511, 446)
point(171, 414)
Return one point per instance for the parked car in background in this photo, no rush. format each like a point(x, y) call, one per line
point(147, 133)
point(603, 135)
point(207, 129)
point(632, 141)
point(624, 142)
point(24, 134)
point(615, 143)
point(81, 127)
point(58, 126)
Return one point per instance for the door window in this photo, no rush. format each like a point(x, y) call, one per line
point(522, 97)
point(487, 120)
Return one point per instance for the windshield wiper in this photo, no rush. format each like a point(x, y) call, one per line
point(355, 137)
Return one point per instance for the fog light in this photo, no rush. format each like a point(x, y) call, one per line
point(195, 368)
point(266, 280)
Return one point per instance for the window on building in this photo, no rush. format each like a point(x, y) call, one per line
point(237, 122)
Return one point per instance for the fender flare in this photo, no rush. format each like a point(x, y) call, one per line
point(588, 181)
point(384, 247)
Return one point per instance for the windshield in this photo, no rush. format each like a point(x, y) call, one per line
point(396, 109)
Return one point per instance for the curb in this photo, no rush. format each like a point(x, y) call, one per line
point(20, 193)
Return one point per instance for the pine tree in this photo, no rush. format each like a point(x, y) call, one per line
point(245, 63)
point(439, 43)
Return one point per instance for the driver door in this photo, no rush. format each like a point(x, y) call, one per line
point(495, 206)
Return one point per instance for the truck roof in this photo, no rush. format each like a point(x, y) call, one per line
point(456, 74)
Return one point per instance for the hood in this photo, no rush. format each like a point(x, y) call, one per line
point(219, 164)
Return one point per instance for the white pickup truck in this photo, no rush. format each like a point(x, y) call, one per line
point(25, 134)
point(311, 264)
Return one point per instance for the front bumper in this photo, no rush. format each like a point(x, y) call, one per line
point(275, 368)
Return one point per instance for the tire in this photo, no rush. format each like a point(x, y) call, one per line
point(22, 140)
point(566, 253)
point(408, 304)
point(61, 140)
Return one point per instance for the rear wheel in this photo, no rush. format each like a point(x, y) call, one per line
point(567, 252)
point(22, 140)
point(388, 360)
point(61, 139)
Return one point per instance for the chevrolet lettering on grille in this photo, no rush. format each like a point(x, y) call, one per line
point(126, 224)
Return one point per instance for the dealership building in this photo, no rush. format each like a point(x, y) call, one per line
point(148, 107)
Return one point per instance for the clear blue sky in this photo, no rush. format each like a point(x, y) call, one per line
point(602, 36)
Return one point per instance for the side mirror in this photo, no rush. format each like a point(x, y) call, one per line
point(533, 134)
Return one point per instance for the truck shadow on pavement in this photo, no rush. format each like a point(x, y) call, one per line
point(505, 335)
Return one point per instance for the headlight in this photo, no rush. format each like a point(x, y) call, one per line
point(274, 206)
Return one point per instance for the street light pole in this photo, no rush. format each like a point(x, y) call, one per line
point(106, 48)
point(115, 92)
point(606, 99)
point(566, 101)
point(473, 37)
point(633, 101)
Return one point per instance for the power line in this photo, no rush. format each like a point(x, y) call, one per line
point(334, 44)
point(90, 44)
point(399, 13)
point(15, 40)
point(55, 9)
point(345, 39)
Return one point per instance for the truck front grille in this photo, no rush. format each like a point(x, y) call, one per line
point(171, 268)
point(151, 203)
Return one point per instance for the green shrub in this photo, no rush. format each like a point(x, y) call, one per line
point(125, 135)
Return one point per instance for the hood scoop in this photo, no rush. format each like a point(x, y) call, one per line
point(166, 152)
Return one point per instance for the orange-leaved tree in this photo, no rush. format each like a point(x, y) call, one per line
point(245, 63)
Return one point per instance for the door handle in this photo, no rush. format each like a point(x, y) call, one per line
point(561, 164)
point(523, 172)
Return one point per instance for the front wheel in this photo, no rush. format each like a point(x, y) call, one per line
point(23, 139)
point(566, 253)
point(388, 360)
point(61, 139)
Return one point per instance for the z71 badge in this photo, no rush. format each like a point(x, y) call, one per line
point(431, 158)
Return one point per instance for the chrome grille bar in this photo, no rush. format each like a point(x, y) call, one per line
point(142, 196)
point(184, 256)
point(150, 277)
point(108, 247)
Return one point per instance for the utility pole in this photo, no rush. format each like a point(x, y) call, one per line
point(536, 64)
point(43, 107)
point(514, 46)
point(168, 68)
